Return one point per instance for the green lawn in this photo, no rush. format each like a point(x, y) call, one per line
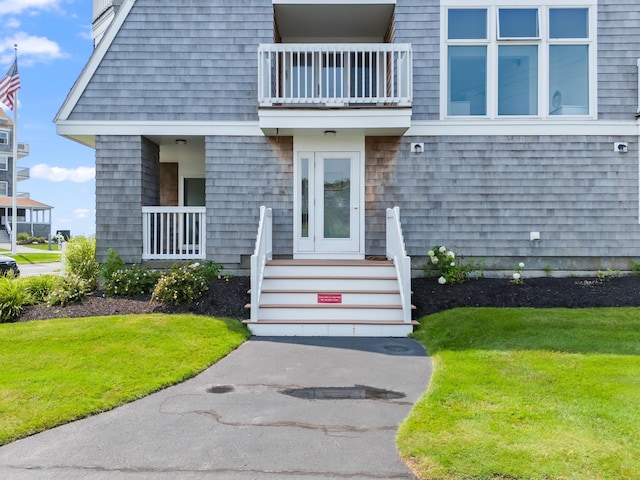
point(36, 257)
point(44, 246)
point(55, 371)
point(528, 394)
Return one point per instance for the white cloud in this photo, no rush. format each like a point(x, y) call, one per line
point(12, 23)
point(59, 174)
point(31, 49)
point(12, 7)
point(83, 213)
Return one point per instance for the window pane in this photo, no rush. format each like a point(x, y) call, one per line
point(518, 80)
point(467, 81)
point(304, 197)
point(569, 23)
point(3, 189)
point(518, 23)
point(467, 24)
point(337, 198)
point(4, 162)
point(569, 80)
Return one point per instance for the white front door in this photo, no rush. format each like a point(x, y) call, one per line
point(329, 214)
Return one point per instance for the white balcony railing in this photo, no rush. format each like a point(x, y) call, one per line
point(173, 233)
point(335, 74)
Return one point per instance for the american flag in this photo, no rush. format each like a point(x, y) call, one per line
point(9, 85)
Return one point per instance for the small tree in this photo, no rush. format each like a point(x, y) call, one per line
point(80, 260)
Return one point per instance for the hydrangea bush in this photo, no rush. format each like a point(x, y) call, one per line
point(130, 282)
point(449, 266)
point(183, 283)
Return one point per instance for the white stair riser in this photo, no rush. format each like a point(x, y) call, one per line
point(331, 314)
point(329, 330)
point(298, 298)
point(331, 270)
point(324, 284)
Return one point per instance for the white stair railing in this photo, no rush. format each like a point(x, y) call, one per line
point(262, 253)
point(396, 251)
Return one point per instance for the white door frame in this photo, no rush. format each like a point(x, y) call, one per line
point(323, 144)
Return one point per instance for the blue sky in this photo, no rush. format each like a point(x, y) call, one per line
point(54, 43)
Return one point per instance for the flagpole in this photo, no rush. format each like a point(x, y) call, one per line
point(14, 180)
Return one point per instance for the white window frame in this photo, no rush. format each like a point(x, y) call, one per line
point(5, 134)
point(492, 43)
point(4, 163)
point(6, 189)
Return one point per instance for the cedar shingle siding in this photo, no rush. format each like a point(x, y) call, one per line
point(197, 61)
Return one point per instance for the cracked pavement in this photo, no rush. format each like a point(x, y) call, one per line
point(234, 420)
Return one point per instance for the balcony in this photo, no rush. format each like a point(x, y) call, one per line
point(23, 174)
point(23, 149)
point(355, 86)
point(335, 74)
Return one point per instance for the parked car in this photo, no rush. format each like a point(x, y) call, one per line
point(8, 264)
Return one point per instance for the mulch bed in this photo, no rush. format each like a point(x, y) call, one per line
point(228, 297)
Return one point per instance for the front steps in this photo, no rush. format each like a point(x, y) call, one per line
point(330, 298)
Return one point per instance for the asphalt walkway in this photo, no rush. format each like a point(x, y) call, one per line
point(276, 408)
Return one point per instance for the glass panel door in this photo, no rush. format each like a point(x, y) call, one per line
point(337, 198)
point(328, 203)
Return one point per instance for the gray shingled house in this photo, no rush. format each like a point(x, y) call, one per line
point(504, 128)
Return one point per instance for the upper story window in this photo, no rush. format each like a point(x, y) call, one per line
point(4, 162)
point(507, 60)
point(4, 189)
point(4, 138)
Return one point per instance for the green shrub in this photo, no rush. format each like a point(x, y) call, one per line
point(13, 297)
point(131, 282)
point(183, 283)
point(39, 287)
point(111, 265)
point(449, 266)
point(80, 260)
point(211, 270)
point(71, 289)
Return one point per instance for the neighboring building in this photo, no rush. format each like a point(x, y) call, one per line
point(506, 129)
point(33, 217)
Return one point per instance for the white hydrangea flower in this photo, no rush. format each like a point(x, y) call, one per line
point(516, 276)
point(430, 253)
point(450, 254)
point(442, 280)
point(521, 265)
point(434, 259)
point(442, 249)
point(452, 264)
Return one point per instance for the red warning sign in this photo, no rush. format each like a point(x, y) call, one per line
point(329, 298)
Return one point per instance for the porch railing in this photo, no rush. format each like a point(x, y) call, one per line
point(396, 251)
point(174, 233)
point(262, 253)
point(335, 74)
